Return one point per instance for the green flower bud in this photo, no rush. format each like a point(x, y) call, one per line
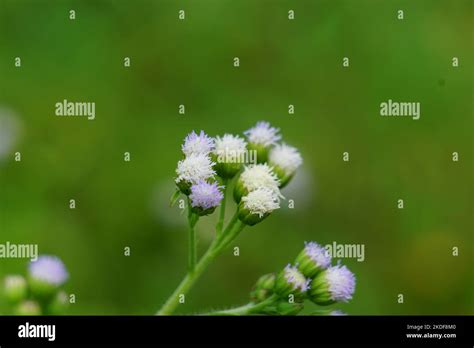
point(263, 288)
point(282, 176)
point(313, 259)
point(261, 151)
point(239, 191)
point(290, 281)
point(287, 308)
point(249, 218)
point(226, 170)
point(184, 186)
point(28, 308)
point(59, 303)
point(41, 289)
point(15, 288)
point(202, 212)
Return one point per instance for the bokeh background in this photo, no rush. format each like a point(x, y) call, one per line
point(282, 62)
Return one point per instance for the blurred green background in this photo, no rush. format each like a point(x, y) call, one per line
point(282, 62)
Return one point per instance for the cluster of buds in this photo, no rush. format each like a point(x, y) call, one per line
point(260, 164)
point(310, 278)
point(40, 291)
point(196, 175)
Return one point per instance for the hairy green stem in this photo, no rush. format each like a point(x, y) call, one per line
point(220, 222)
point(250, 308)
point(216, 247)
point(192, 245)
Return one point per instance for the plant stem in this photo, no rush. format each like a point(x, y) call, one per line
point(250, 308)
point(188, 281)
point(220, 222)
point(192, 246)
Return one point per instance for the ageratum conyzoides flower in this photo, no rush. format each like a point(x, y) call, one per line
point(229, 154)
point(284, 159)
point(192, 170)
point(290, 281)
point(257, 205)
point(335, 284)
point(195, 144)
point(205, 197)
point(46, 274)
point(313, 259)
point(254, 177)
point(261, 138)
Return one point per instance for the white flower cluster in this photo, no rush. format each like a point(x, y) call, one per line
point(258, 185)
point(261, 183)
point(197, 165)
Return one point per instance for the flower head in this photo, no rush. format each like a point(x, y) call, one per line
point(192, 170)
point(260, 176)
point(229, 154)
point(263, 134)
point(260, 202)
point(291, 281)
point(197, 144)
point(257, 205)
point(230, 148)
point(313, 259)
point(285, 159)
point(15, 288)
point(341, 283)
point(48, 269)
point(205, 197)
point(297, 280)
point(335, 284)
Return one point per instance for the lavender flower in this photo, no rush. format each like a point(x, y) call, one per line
point(48, 269)
point(335, 284)
point(205, 197)
point(341, 283)
point(197, 144)
point(313, 259)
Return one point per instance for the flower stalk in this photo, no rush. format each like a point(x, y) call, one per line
point(214, 250)
point(220, 222)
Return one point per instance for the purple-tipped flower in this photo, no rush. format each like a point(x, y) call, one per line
point(197, 144)
point(48, 269)
point(291, 281)
point(205, 197)
point(335, 284)
point(313, 259)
